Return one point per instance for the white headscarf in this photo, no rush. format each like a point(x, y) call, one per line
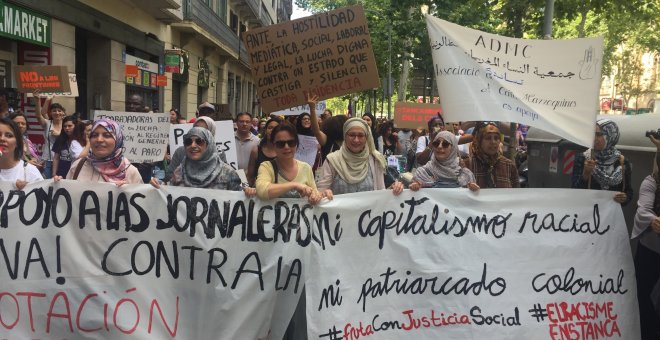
point(450, 168)
point(353, 167)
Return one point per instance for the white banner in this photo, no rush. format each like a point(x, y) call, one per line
point(97, 261)
point(451, 264)
point(549, 84)
point(295, 111)
point(145, 134)
point(224, 139)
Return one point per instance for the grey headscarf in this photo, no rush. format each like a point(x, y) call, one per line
point(449, 169)
point(210, 124)
point(203, 172)
point(606, 172)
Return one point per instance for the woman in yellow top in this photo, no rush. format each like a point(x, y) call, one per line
point(286, 177)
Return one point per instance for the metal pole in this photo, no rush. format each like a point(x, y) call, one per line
point(389, 71)
point(547, 19)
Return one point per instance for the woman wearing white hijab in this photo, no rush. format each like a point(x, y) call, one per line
point(444, 169)
point(356, 166)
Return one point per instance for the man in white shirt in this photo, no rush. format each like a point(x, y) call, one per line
point(245, 140)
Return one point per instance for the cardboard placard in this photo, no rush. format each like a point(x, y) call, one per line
point(414, 115)
point(328, 54)
point(73, 84)
point(46, 78)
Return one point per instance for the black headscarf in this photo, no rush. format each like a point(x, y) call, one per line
point(299, 127)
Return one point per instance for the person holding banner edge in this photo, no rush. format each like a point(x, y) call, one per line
point(444, 170)
point(647, 258)
point(357, 166)
point(202, 167)
point(13, 167)
point(603, 167)
point(105, 161)
point(285, 176)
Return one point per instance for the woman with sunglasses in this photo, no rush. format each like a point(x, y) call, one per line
point(202, 167)
point(105, 161)
point(262, 152)
point(285, 176)
point(490, 168)
point(357, 166)
point(603, 167)
point(443, 170)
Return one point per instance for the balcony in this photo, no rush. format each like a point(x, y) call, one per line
point(201, 23)
point(251, 9)
point(167, 11)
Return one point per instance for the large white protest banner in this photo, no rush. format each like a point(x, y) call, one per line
point(98, 261)
point(450, 264)
point(145, 134)
point(224, 139)
point(549, 84)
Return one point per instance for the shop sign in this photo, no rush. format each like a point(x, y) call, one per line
point(173, 61)
point(161, 81)
point(23, 24)
point(5, 73)
point(145, 73)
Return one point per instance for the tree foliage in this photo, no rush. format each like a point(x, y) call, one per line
point(633, 24)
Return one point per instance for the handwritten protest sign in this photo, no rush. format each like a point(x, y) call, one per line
point(450, 264)
point(549, 84)
point(47, 78)
point(224, 139)
point(297, 110)
point(308, 147)
point(98, 261)
point(73, 85)
point(414, 115)
point(328, 54)
point(145, 134)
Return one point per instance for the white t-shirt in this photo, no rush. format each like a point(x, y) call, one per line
point(28, 173)
point(72, 152)
point(422, 143)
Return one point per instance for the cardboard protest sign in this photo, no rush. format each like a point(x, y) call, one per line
point(145, 134)
point(73, 85)
point(414, 115)
point(549, 84)
point(93, 260)
point(224, 139)
point(328, 54)
point(297, 110)
point(46, 78)
point(451, 264)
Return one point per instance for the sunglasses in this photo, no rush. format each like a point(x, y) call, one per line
point(281, 143)
point(445, 144)
point(198, 141)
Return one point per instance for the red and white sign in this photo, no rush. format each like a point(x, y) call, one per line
point(568, 161)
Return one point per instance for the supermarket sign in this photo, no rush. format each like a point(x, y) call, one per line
point(22, 24)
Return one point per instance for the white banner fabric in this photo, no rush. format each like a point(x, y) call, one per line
point(297, 110)
point(549, 84)
point(450, 264)
point(95, 261)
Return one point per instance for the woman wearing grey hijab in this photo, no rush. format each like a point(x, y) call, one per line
point(443, 170)
point(202, 167)
point(179, 153)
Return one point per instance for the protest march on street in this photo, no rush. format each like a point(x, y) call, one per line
point(213, 169)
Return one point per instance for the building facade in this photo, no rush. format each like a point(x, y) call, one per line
point(96, 39)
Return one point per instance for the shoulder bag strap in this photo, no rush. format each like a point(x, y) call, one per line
point(78, 168)
point(275, 169)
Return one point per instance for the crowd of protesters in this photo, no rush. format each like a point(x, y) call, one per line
point(352, 155)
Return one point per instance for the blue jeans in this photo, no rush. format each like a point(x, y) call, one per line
point(48, 169)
